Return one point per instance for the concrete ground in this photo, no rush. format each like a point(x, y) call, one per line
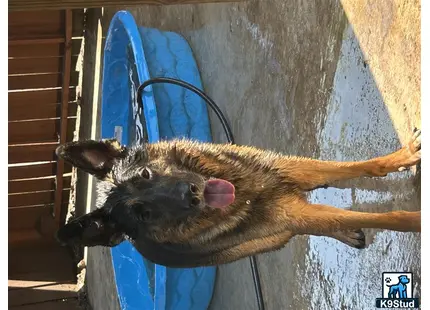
point(325, 79)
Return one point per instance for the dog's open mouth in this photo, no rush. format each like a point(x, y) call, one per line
point(219, 193)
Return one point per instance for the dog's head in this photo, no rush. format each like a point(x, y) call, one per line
point(403, 279)
point(136, 193)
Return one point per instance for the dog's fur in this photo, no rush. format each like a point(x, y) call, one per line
point(144, 196)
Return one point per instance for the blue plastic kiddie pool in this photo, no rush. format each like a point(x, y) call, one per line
point(132, 55)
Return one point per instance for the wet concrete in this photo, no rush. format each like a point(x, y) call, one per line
point(296, 78)
point(357, 126)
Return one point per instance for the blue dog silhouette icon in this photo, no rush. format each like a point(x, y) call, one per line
point(399, 290)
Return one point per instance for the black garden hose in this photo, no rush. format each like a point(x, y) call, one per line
point(230, 139)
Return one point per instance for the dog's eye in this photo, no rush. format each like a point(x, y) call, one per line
point(142, 213)
point(146, 215)
point(146, 173)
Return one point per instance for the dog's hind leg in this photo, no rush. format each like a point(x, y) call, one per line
point(310, 174)
point(315, 219)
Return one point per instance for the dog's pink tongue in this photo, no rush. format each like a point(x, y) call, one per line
point(219, 193)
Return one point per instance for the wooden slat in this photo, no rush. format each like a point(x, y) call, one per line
point(40, 263)
point(30, 199)
point(35, 65)
point(32, 153)
point(50, 80)
point(26, 186)
point(19, 112)
point(76, 46)
point(35, 171)
point(26, 98)
point(42, 236)
point(19, 237)
point(33, 131)
point(78, 23)
point(35, 185)
point(33, 199)
point(16, 285)
point(55, 291)
point(66, 304)
point(39, 40)
point(37, 131)
point(35, 50)
point(22, 5)
point(32, 49)
point(26, 218)
point(58, 210)
point(35, 24)
point(61, 270)
point(61, 274)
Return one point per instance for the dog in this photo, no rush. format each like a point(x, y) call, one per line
point(188, 204)
point(399, 289)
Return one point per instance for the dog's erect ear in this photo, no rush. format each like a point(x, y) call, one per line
point(94, 157)
point(95, 228)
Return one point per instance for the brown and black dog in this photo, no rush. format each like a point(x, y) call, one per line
point(189, 204)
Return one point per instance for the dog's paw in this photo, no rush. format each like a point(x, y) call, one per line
point(353, 238)
point(415, 146)
point(410, 155)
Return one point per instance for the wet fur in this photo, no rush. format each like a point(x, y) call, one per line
point(270, 206)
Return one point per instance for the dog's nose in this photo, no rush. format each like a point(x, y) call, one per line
point(193, 188)
point(187, 191)
point(186, 188)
